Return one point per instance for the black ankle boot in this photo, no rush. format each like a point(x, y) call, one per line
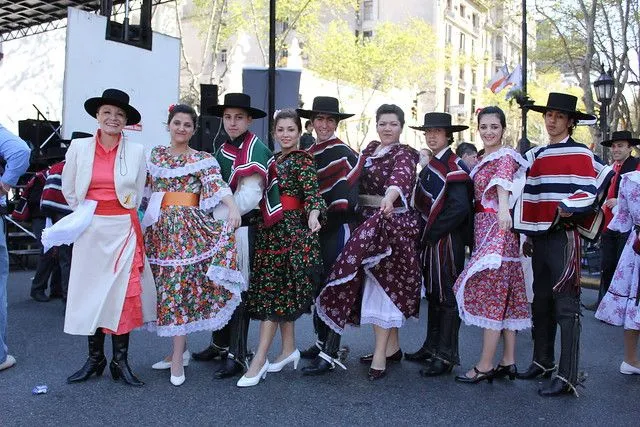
point(96, 362)
point(230, 368)
point(119, 365)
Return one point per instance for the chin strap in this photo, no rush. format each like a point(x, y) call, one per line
point(571, 386)
point(331, 360)
point(545, 369)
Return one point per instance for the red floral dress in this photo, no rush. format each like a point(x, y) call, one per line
point(490, 291)
point(186, 243)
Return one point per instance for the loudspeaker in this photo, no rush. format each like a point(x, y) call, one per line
point(210, 134)
point(37, 131)
point(208, 97)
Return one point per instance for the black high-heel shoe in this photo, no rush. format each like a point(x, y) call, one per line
point(502, 371)
point(395, 357)
point(477, 377)
point(376, 374)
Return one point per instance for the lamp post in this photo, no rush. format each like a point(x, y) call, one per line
point(604, 87)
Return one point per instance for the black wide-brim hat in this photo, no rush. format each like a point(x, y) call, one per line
point(324, 105)
point(236, 100)
point(564, 103)
point(441, 121)
point(622, 135)
point(114, 97)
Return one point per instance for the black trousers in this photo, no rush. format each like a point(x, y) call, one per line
point(551, 308)
point(332, 239)
point(54, 264)
point(234, 334)
point(611, 246)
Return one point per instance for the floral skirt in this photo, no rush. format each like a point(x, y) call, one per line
point(491, 291)
point(182, 246)
point(286, 270)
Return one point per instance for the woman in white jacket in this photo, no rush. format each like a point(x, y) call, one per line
point(111, 289)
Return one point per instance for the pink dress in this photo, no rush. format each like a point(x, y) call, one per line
point(619, 306)
point(490, 291)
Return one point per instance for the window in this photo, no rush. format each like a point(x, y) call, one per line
point(461, 73)
point(475, 20)
point(462, 42)
point(367, 34)
point(367, 9)
point(448, 34)
point(223, 56)
point(461, 98)
point(473, 77)
point(473, 107)
point(462, 11)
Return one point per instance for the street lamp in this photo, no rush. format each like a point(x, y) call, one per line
point(604, 87)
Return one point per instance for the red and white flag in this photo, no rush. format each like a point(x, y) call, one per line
point(499, 79)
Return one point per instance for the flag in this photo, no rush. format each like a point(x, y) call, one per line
point(498, 81)
point(515, 79)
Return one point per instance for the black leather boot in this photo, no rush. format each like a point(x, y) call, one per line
point(230, 368)
point(119, 365)
point(430, 345)
point(568, 314)
point(544, 337)
point(449, 330)
point(218, 347)
point(96, 362)
point(322, 330)
point(327, 359)
point(236, 361)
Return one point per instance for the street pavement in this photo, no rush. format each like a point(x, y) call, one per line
point(47, 356)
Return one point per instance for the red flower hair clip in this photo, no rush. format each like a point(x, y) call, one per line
point(171, 107)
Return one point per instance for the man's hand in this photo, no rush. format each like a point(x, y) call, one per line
point(527, 248)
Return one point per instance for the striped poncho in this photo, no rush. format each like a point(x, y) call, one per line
point(563, 175)
point(253, 157)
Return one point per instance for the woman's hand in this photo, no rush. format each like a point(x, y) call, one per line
point(314, 223)
point(611, 203)
point(504, 219)
point(234, 219)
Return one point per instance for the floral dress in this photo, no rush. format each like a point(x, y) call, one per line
point(491, 291)
point(376, 279)
point(185, 243)
point(287, 263)
point(619, 306)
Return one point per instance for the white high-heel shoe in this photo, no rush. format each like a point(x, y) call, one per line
point(164, 364)
point(250, 382)
point(628, 369)
point(179, 380)
point(293, 357)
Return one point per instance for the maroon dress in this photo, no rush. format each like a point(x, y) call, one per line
point(381, 257)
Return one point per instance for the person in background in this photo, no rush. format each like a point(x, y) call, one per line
point(468, 153)
point(54, 206)
point(15, 153)
point(307, 139)
point(612, 242)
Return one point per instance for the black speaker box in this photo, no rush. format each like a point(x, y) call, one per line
point(37, 131)
point(208, 97)
point(210, 134)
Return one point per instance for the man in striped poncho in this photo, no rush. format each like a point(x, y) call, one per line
point(335, 163)
point(560, 204)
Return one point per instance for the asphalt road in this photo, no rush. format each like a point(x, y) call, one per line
point(47, 356)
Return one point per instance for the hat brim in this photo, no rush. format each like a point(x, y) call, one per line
point(577, 114)
point(452, 128)
point(218, 111)
point(307, 114)
point(92, 105)
point(631, 141)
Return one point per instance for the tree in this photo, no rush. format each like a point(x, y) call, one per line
point(586, 33)
point(537, 90)
point(396, 55)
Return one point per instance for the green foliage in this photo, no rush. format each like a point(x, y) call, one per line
point(538, 91)
point(397, 55)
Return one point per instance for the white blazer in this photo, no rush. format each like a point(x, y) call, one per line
point(129, 172)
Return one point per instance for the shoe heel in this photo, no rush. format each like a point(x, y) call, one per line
point(548, 374)
point(115, 372)
point(100, 368)
point(295, 363)
point(512, 377)
point(490, 380)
